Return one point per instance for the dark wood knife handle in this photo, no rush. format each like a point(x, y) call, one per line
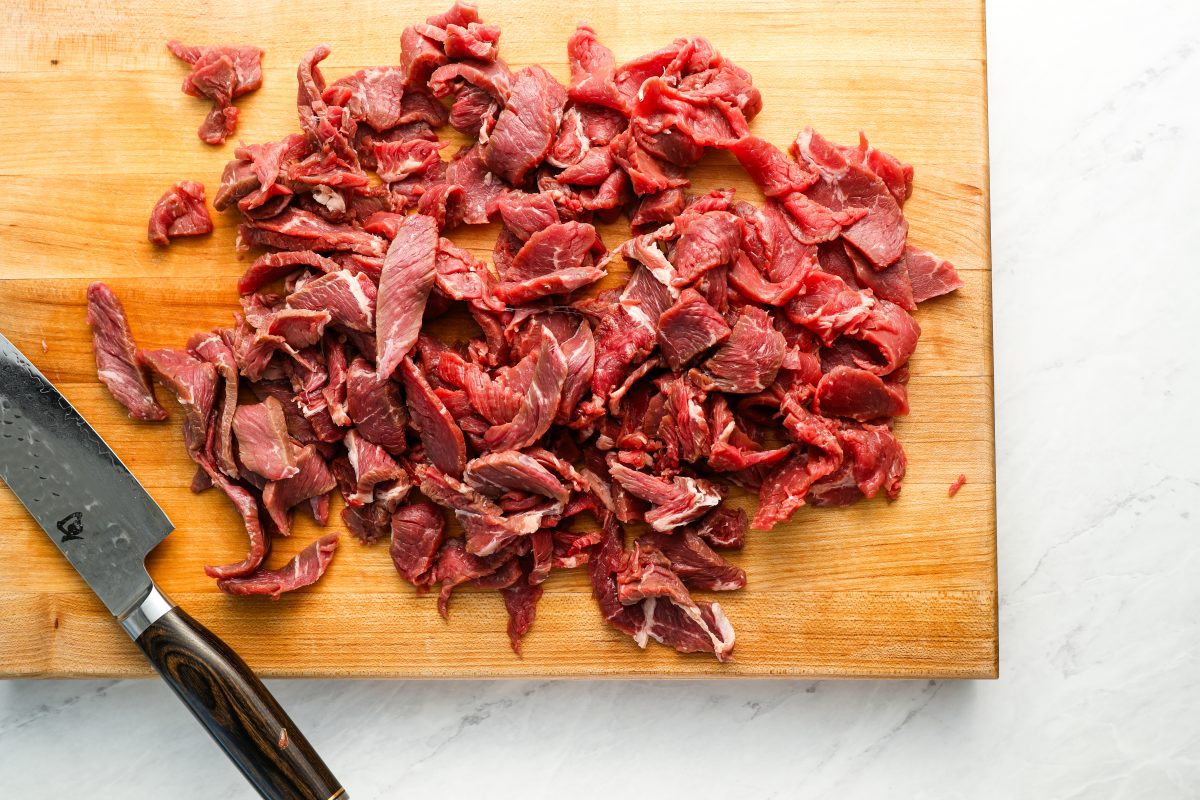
point(236, 710)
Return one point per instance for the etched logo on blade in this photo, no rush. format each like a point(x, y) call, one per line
point(71, 526)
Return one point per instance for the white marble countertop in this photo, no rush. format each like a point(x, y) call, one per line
point(1095, 146)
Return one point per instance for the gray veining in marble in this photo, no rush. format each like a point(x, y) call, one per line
point(1095, 146)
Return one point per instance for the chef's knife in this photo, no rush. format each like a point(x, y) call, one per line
point(105, 523)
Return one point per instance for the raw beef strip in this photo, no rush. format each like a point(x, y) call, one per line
point(560, 247)
point(180, 212)
point(219, 73)
point(461, 14)
point(881, 234)
point(442, 439)
point(312, 479)
point(271, 267)
point(696, 564)
point(374, 407)
point(580, 354)
point(858, 394)
point(297, 229)
point(829, 308)
point(246, 506)
point(671, 615)
point(784, 487)
point(540, 403)
point(303, 570)
point(398, 160)
point(706, 241)
point(521, 601)
point(494, 474)
point(372, 465)
point(492, 78)
point(891, 336)
point(675, 502)
point(116, 355)
point(647, 174)
point(897, 175)
point(873, 460)
point(751, 284)
point(892, 283)
point(475, 40)
point(724, 528)
point(688, 328)
point(211, 347)
point(592, 69)
point(480, 187)
point(369, 523)
point(373, 96)
point(404, 286)
point(262, 437)
point(454, 566)
point(420, 55)
point(526, 127)
point(776, 174)
point(525, 214)
point(929, 275)
point(194, 384)
point(349, 299)
point(519, 293)
point(676, 125)
point(418, 530)
point(749, 361)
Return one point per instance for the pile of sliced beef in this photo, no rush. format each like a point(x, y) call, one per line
point(758, 346)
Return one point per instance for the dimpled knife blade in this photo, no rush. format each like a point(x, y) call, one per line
point(74, 486)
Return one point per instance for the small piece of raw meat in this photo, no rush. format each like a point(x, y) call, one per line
point(688, 328)
point(404, 286)
point(930, 276)
point(303, 570)
point(959, 482)
point(348, 298)
point(116, 355)
point(494, 474)
point(675, 502)
point(247, 507)
point(211, 347)
point(749, 361)
point(180, 212)
point(373, 96)
point(262, 438)
point(372, 465)
point(671, 615)
point(521, 601)
point(474, 40)
point(879, 235)
point(858, 394)
point(194, 384)
point(440, 435)
point(297, 229)
point(540, 403)
point(526, 127)
point(724, 528)
point(219, 73)
point(374, 407)
point(418, 530)
point(312, 478)
point(696, 564)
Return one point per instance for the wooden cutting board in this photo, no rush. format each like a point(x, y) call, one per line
point(98, 129)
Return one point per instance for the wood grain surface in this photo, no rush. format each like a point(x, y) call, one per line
point(903, 589)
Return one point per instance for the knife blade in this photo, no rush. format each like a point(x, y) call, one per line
point(105, 523)
point(76, 489)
